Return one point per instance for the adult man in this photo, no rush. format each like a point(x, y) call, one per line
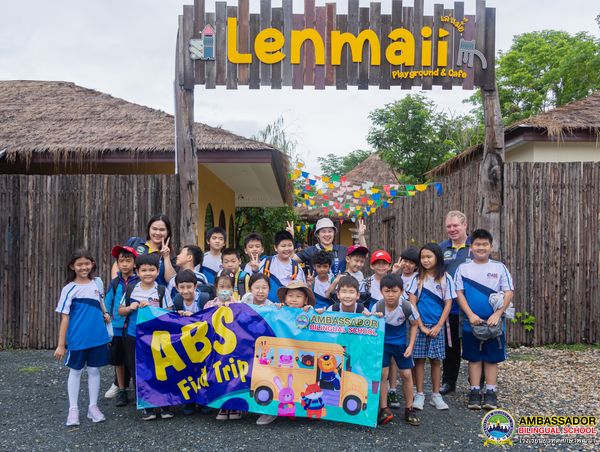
point(457, 249)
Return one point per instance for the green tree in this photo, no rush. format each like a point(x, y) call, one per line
point(543, 70)
point(267, 221)
point(413, 136)
point(339, 165)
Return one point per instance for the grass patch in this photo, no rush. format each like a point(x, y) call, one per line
point(515, 356)
point(31, 369)
point(574, 347)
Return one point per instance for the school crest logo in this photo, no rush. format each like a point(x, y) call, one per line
point(302, 321)
point(141, 249)
point(498, 427)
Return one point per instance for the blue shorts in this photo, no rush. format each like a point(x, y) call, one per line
point(490, 351)
point(397, 351)
point(92, 357)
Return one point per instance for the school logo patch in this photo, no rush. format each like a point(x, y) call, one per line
point(498, 427)
point(141, 249)
point(492, 275)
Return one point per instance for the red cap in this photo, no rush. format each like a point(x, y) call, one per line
point(357, 249)
point(118, 248)
point(381, 255)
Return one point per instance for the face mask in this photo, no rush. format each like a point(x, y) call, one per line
point(224, 295)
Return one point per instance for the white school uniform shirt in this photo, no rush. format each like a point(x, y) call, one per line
point(283, 271)
point(406, 280)
point(479, 281)
point(212, 262)
point(357, 275)
point(320, 287)
point(375, 288)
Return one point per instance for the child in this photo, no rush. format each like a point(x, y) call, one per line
point(125, 258)
point(296, 295)
point(431, 291)
point(396, 310)
point(83, 332)
point(259, 290)
point(348, 296)
point(215, 239)
point(281, 268)
point(147, 292)
point(475, 282)
point(224, 286)
point(187, 301)
point(381, 263)
point(321, 280)
point(409, 260)
point(231, 266)
point(254, 249)
point(355, 261)
point(190, 257)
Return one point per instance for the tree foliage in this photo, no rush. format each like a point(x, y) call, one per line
point(413, 136)
point(339, 165)
point(543, 70)
point(267, 221)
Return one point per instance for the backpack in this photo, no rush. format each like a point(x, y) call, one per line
point(406, 307)
point(161, 296)
point(114, 284)
point(295, 268)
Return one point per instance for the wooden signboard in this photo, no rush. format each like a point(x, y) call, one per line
point(365, 48)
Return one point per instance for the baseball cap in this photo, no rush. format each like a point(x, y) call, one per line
point(381, 255)
point(358, 249)
point(118, 248)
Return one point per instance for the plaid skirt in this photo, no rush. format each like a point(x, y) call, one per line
point(430, 347)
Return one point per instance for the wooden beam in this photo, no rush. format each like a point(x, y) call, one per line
point(186, 164)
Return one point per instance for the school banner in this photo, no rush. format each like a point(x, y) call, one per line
point(283, 362)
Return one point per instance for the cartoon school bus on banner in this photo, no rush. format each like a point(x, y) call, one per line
point(303, 365)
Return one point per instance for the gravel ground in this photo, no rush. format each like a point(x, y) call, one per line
point(34, 403)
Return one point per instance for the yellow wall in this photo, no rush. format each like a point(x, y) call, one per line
point(345, 233)
point(539, 151)
point(212, 190)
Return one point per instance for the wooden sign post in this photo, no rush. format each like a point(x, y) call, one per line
point(321, 48)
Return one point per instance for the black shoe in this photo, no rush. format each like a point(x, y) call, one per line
point(474, 399)
point(122, 399)
point(385, 416)
point(490, 400)
point(447, 388)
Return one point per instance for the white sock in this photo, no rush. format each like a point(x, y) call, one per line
point(73, 387)
point(93, 384)
point(392, 390)
point(490, 387)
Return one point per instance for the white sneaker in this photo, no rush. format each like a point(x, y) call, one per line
point(73, 417)
point(112, 392)
point(438, 402)
point(419, 401)
point(265, 419)
point(95, 414)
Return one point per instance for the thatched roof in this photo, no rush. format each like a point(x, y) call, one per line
point(67, 120)
point(372, 169)
point(579, 116)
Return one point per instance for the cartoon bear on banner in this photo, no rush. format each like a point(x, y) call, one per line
point(329, 377)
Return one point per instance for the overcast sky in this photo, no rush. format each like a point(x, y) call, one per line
point(126, 48)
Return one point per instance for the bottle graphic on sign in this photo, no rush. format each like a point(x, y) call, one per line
point(208, 39)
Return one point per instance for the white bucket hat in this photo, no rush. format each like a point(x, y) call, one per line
point(324, 223)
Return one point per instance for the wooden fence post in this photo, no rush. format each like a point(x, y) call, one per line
point(491, 170)
point(186, 162)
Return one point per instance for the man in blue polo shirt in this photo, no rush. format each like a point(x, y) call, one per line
point(457, 250)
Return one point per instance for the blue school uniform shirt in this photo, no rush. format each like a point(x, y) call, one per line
point(396, 326)
point(431, 296)
point(112, 301)
point(142, 247)
point(453, 257)
point(81, 302)
point(139, 295)
point(281, 274)
point(211, 265)
point(479, 281)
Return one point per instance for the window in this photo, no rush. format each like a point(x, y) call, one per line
point(209, 218)
point(222, 223)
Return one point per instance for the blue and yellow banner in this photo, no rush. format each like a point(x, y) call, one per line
point(269, 360)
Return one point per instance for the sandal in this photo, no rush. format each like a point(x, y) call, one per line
point(411, 416)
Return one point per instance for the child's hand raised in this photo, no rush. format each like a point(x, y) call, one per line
point(397, 267)
point(362, 227)
point(310, 278)
point(290, 227)
point(254, 263)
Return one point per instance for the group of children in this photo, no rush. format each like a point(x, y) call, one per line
point(413, 296)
